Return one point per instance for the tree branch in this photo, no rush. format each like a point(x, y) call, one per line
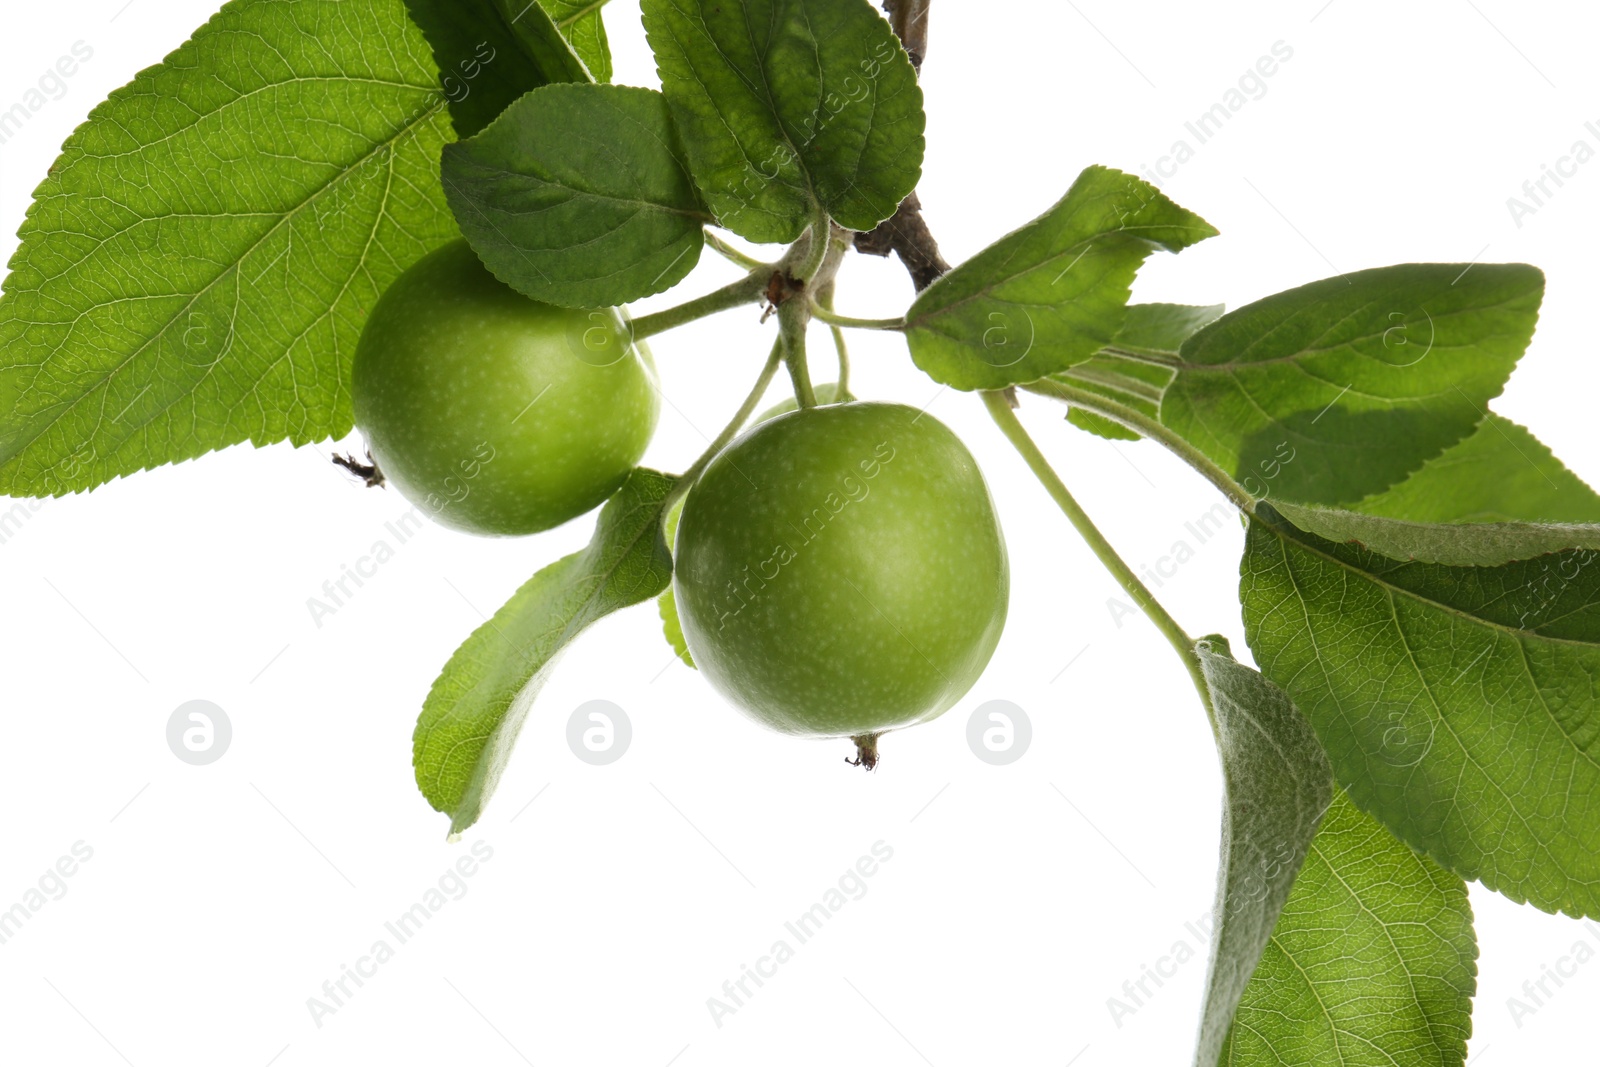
point(905, 233)
point(909, 19)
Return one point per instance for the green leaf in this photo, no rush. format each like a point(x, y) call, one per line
point(578, 195)
point(786, 104)
point(1277, 785)
point(1500, 473)
point(541, 40)
point(1159, 330)
point(1050, 295)
point(580, 23)
point(667, 603)
point(1336, 390)
point(1372, 963)
point(1476, 544)
point(1132, 384)
point(490, 52)
point(1128, 383)
point(478, 703)
point(195, 269)
point(671, 627)
point(1458, 705)
point(1151, 332)
point(1100, 426)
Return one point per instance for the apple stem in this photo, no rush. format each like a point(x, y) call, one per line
point(824, 299)
point(368, 472)
point(866, 751)
point(792, 316)
point(729, 432)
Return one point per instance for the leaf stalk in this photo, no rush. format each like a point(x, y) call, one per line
point(999, 405)
point(833, 318)
point(746, 290)
point(729, 432)
point(733, 255)
point(1142, 424)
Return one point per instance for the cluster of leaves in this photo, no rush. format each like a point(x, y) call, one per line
point(1418, 583)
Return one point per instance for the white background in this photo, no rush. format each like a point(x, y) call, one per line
point(1018, 899)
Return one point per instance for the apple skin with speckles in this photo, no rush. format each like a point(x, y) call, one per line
point(493, 413)
point(840, 571)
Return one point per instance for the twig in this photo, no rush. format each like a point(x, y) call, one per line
point(909, 18)
point(905, 233)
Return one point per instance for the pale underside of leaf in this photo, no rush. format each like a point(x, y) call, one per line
point(667, 602)
point(473, 713)
point(1135, 369)
point(1277, 784)
point(1132, 384)
point(1477, 544)
point(1372, 963)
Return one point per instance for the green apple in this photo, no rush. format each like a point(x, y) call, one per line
point(840, 571)
point(494, 413)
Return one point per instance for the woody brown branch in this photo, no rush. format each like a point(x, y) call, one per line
point(905, 233)
point(909, 19)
